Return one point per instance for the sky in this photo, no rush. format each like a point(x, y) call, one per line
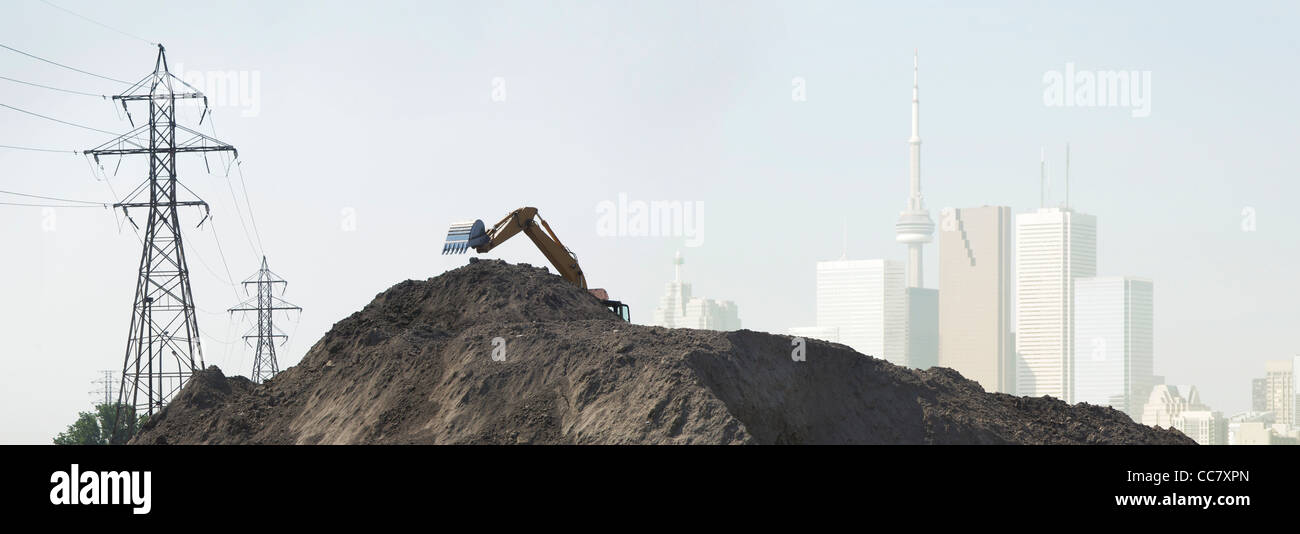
point(364, 129)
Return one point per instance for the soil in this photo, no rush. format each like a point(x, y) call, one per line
point(417, 365)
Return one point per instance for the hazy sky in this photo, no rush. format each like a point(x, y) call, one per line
point(385, 111)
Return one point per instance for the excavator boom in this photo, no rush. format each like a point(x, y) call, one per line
point(463, 236)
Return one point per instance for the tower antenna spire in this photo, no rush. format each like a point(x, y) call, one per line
point(844, 239)
point(1067, 175)
point(1042, 177)
point(677, 266)
point(914, 227)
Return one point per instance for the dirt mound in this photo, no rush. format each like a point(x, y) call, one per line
point(417, 365)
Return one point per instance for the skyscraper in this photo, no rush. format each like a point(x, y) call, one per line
point(1054, 246)
point(914, 227)
point(1113, 342)
point(1281, 390)
point(975, 295)
point(922, 351)
point(678, 309)
point(863, 302)
point(1259, 395)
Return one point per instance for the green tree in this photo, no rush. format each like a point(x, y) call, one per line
point(96, 428)
point(127, 428)
point(85, 431)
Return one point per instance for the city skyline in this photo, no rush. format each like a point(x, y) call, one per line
point(679, 308)
point(621, 99)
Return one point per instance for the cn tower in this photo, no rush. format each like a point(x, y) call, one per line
point(914, 227)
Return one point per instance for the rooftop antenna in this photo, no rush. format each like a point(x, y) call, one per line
point(1067, 175)
point(1042, 177)
point(677, 267)
point(844, 240)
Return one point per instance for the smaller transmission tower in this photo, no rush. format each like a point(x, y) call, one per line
point(104, 394)
point(266, 304)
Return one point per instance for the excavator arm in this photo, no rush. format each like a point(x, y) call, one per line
point(466, 235)
point(522, 220)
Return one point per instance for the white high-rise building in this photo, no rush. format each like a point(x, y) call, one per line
point(1054, 247)
point(1113, 342)
point(862, 303)
point(975, 296)
point(678, 309)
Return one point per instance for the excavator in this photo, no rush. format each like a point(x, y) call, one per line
point(463, 236)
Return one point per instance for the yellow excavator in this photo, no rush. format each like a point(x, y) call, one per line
point(466, 235)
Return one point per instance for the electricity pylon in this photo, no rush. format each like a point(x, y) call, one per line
point(265, 365)
point(104, 395)
point(162, 348)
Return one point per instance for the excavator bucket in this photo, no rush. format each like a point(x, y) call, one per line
point(463, 236)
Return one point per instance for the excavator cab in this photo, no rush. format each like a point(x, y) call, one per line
point(619, 309)
point(463, 236)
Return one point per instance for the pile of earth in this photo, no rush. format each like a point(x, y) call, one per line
point(499, 353)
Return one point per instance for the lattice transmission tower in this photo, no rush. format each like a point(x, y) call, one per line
point(104, 393)
point(265, 303)
point(162, 349)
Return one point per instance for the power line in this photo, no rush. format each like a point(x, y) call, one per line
point(12, 49)
point(52, 198)
point(113, 195)
point(57, 120)
point(39, 149)
point(235, 200)
point(97, 23)
point(258, 250)
point(222, 253)
point(49, 205)
point(105, 97)
point(230, 281)
point(239, 165)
